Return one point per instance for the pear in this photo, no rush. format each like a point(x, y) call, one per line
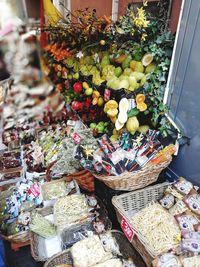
point(105, 61)
point(113, 83)
point(136, 66)
point(143, 129)
point(123, 84)
point(150, 68)
point(132, 124)
point(138, 75)
point(128, 71)
point(132, 81)
point(118, 71)
point(123, 77)
point(126, 62)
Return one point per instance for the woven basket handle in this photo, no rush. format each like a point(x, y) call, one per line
point(48, 171)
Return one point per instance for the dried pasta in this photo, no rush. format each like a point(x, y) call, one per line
point(157, 228)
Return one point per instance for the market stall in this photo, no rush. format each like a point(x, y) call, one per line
point(91, 111)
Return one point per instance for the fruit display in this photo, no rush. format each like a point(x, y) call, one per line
point(112, 72)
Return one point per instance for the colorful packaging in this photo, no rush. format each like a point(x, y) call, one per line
point(191, 245)
point(167, 201)
point(167, 260)
point(186, 220)
point(183, 186)
point(192, 200)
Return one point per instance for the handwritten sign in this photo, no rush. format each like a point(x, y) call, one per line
point(127, 229)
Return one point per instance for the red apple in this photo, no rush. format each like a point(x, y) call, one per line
point(78, 87)
point(76, 105)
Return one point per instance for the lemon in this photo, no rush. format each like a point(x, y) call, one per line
point(147, 59)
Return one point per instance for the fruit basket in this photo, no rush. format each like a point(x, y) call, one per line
point(135, 180)
point(135, 201)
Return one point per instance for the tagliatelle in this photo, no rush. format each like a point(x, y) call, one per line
point(70, 209)
point(157, 228)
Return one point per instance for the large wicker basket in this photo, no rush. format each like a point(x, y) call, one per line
point(18, 238)
point(63, 257)
point(34, 238)
point(135, 180)
point(126, 249)
point(84, 178)
point(125, 204)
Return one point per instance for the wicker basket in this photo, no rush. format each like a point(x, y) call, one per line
point(49, 210)
point(84, 178)
point(134, 201)
point(34, 237)
point(60, 258)
point(135, 180)
point(126, 249)
point(21, 237)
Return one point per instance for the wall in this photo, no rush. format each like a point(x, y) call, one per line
point(184, 92)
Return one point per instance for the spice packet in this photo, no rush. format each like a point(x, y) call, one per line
point(186, 220)
point(183, 186)
point(167, 201)
point(191, 245)
point(190, 235)
point(178, 208)
point(192, 200)
point(167, 260)
point(174, 192)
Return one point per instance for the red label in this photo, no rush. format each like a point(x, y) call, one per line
point(34, 190)
point(107, 94)
point(127, 229)
point(76, 138)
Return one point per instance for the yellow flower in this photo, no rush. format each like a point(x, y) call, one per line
point(140, 20)
point(143, 37)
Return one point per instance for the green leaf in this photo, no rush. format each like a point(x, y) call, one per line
point(133, 112)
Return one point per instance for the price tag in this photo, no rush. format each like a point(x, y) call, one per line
point(34, 191)
point(127, 229)
point(76, 138)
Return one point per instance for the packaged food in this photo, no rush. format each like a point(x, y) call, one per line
point(53, 190)
point(191, 261)
point(192, 200)
point(71, 209)
point(42, 226)
point(190, 235)
point(109, 243)
point(178, 208)
point(186, 220)
point(192, 245)
point(183, 186)
point(197, 227)
point(167, 260)
point(88, 252)
point(167, 201)
point(174, 192)
point(110, 263)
